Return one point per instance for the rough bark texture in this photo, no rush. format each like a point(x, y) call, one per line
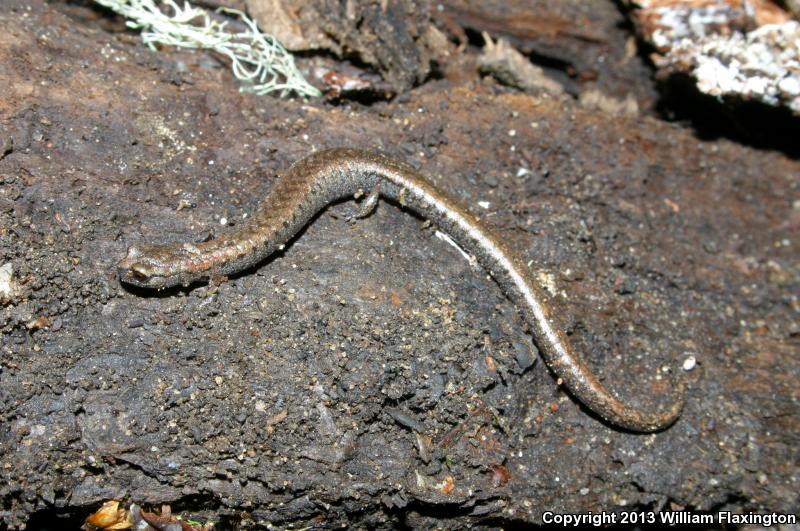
point(584, 44)
point(389, 36)
point(369, 375)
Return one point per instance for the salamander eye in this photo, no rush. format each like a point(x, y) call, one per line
point(140, 271)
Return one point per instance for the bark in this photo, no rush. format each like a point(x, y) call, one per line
point(369, 375)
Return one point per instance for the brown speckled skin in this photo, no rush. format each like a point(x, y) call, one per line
point(335, 174)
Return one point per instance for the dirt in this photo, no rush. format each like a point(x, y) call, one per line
point(369, 375)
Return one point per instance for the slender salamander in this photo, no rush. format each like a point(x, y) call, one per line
point(324, 177)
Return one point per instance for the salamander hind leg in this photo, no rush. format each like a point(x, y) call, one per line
point(368, 205)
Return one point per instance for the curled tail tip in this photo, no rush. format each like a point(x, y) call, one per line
point(670, 416)
point(650, 422)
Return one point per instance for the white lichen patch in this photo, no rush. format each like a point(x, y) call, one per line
point(257, 59)
point(679, 22)
point(750, 50)
point(763, 64)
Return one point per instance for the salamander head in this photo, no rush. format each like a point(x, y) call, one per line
point(143, 267)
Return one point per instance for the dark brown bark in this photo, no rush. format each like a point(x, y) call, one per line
point(369, 375)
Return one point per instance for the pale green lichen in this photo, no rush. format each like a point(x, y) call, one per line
point(257, 59)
